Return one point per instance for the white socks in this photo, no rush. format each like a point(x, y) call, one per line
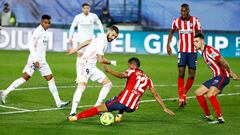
point(14, 85)
point(53, 89)
point(103, 93)
point(76, 98)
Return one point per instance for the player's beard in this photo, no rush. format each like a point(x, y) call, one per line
point(109, 39)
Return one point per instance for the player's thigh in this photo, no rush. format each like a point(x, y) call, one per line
point(213, 91)
point(182, 59)
point(29, 69)
point(201, 90)
point(98, 75)
point(218, 83)
point(45, 70)
point(192, 60)
point(83, 73)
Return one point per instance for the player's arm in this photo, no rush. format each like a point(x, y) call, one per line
point(160, 101)
point(33, 47)
point(115, 73)
point(80, 46)
point(170, 36)
point(101, 59)
point(99, 23)
point(224, 64)
point(71, 31)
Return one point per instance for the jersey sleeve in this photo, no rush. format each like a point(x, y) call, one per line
point(99, 23)
point(73, 25)
point(213, 54)
point(174, 25)
point(198, 25)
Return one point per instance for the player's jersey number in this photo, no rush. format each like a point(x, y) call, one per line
point(141, 82)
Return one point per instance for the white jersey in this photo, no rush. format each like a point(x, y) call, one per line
point(97, 46)
point(38, 45)
point(85, 25)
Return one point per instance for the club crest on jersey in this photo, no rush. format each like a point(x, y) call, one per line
point(215, 82)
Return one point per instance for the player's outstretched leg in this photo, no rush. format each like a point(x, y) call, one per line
point(89, 112)
point(12, 87)
point(118, 117)
point(107, 85)
point(53, 89)
point(76, 98)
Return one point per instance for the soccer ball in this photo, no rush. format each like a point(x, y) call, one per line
point(107, 118)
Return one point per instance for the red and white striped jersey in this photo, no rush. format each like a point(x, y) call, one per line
point(186, 32)
point(211, 57)
point(136, 85)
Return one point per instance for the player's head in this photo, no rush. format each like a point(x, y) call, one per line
point(6, 7)
point(46, 21)
point(185, 10)
point(85, 8)
point(199, 41)
point(134, 63)
point(112, 33)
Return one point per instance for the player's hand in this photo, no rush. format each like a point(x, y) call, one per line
point(169, 112)
point(70, 51)
point(169, 50)
point(113, 62)
point(106, 68)
point(234, 76)
point(36, 65)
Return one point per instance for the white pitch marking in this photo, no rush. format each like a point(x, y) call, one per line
point(15, 108)
point(144, 101)
point(99, 86)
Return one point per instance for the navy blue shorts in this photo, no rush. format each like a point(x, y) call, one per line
point(113, 105)
point(218, 82)
point(189, 59)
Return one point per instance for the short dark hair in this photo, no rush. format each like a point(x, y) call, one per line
point(6, 4)
point(185, 5)
point(115, 28)
point(134, 61)
point(85, 4)
point(46, 17)
point(199, 35)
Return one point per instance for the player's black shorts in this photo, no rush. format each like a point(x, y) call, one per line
point(113, 105)
point(218, 82)
point(189, 59)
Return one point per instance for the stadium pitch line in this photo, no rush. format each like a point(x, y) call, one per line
point(99, 86)
point(21, 110)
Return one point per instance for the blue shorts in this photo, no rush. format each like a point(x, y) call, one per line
point(113, 105)
point(218, 82)
point(189, 59)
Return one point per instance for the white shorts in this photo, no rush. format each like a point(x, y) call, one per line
point(85, 71)
point(44, 69)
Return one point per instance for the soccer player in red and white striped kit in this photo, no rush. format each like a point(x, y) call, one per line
point(187, 27)
point(214, 86)
point(129, 99)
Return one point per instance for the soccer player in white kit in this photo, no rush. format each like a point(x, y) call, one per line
point(37, 62)
point(93, 52)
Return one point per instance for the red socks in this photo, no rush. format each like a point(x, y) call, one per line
point(203, 103)
point(180, 88)
point(88, 113)
point(188, 85)
point(215, 105)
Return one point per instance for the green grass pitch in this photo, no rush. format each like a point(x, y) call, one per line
point(149, 119)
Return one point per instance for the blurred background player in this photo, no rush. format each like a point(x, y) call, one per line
point(128, 100)
point(37, 62)
point(106, 18)
point(93, 52)
point(7, 17)
point(214, 86)
point(187, 27)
